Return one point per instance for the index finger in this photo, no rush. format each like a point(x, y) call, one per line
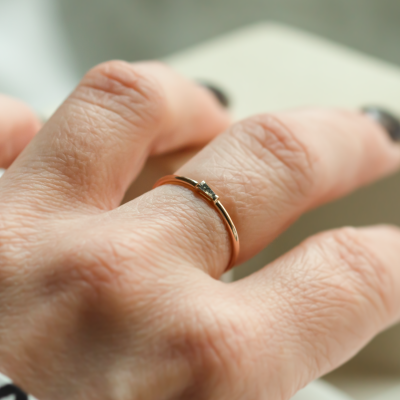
point(18, 125)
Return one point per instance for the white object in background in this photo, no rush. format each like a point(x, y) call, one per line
point(320, 390)
point(271, 67)
point(36, 62)
point(393, 394)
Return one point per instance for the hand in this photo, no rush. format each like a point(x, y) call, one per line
point(101, 301)
point(18, 125)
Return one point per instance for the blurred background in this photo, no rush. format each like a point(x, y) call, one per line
point(47, 45)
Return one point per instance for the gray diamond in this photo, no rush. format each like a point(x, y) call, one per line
point(207, 191)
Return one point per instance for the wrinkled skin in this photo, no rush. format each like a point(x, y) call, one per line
point(102, 301)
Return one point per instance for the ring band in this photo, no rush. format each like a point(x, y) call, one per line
point(204, 190)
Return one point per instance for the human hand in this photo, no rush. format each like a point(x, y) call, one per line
point(18, 125)
point(99, 301)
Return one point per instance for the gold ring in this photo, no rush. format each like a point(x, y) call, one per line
point(204, 190)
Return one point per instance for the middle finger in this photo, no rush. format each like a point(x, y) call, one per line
point(96, 143)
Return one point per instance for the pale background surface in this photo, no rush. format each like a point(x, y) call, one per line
point(46, 45)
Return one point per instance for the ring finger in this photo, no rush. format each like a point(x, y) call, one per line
point(267, 171)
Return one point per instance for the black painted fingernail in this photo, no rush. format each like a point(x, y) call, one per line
point(220, 95)
point(386, 119)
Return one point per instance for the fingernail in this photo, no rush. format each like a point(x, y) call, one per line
point(220, 95)
point(386, 119)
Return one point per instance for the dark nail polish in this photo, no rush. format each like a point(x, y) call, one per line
point(386, 119)
point(217, 92)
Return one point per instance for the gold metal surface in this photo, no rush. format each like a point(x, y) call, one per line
point(205, 191)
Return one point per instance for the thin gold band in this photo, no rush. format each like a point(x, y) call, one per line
point(204, 190)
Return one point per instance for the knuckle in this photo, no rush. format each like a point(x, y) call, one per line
point(267, 139)
point(362, 273)
point(125, 90)
point(15, 248)
point(103, 268)
point(89, 269)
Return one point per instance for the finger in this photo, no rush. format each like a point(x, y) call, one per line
point(267, 171)
point(18, 125)
point(323, 301)
point(157, 167)
point(98, 140)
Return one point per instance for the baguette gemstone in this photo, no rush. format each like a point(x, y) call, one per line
point(207, 191)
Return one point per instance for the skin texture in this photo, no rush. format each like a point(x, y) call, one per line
point(18, 126)
point(101, 301)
